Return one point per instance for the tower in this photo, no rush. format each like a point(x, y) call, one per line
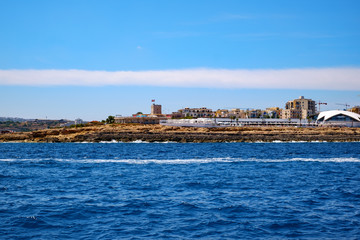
point(155, 109)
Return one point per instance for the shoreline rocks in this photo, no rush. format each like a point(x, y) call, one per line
point(158, 133)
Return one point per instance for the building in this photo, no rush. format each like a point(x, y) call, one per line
point(339, 118)
point(255, 113)
point(141, 118)
point(237, 113)
point(79, 121)
point(198, 122)
point(176, 115)
point(222, 113)
point(301, 108)
point(355, 109)
point(273, 112)
point(156, 109)
point(196, 112)
point(241, 122)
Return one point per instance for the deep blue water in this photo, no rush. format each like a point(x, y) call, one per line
point(180, 191)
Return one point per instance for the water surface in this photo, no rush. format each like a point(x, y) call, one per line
point(180, 190)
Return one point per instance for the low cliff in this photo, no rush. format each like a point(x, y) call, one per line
point(158, 133)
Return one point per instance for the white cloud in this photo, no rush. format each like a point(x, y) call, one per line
point(322, 78)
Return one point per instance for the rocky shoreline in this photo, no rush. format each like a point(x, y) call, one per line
point(158, 133)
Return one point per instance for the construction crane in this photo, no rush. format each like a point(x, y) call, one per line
point(319, 103)
point(344, 104)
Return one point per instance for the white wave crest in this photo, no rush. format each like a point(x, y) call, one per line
point(187, 161)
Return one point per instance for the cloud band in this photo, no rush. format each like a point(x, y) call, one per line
point(320, 78)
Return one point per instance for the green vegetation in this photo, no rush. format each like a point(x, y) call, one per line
point(110, 119)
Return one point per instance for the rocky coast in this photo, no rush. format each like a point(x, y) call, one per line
point(158, 133)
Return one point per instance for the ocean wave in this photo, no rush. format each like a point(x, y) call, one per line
point(187, 161)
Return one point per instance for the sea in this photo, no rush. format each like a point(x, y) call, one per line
point(139, 190)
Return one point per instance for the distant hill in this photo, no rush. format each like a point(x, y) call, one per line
point(13, 119)
point(28, 125)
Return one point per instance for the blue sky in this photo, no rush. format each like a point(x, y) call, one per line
point(193, 40)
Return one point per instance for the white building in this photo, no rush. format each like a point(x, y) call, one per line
point(338, 118)
point(228, 122)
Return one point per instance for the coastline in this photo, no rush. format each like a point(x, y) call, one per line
point(158, 133)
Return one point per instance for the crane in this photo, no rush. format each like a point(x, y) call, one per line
point(319, 103)
point(344, 104)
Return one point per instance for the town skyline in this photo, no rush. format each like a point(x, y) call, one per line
point(318, 106)
point(90, 59)
point(301, 107)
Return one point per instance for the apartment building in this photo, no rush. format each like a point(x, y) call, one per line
point(300, 108)
point(196, 112)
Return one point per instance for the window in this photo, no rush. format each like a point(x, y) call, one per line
point(340, 118)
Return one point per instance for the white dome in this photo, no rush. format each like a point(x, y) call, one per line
point(326, 115)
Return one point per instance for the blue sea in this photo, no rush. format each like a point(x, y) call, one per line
point(180, 190)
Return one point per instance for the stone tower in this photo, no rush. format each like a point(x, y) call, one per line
point(155, 109)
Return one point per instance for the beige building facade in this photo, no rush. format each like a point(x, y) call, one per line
point(300, 108)
point(222, 113)
point(196, 112)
